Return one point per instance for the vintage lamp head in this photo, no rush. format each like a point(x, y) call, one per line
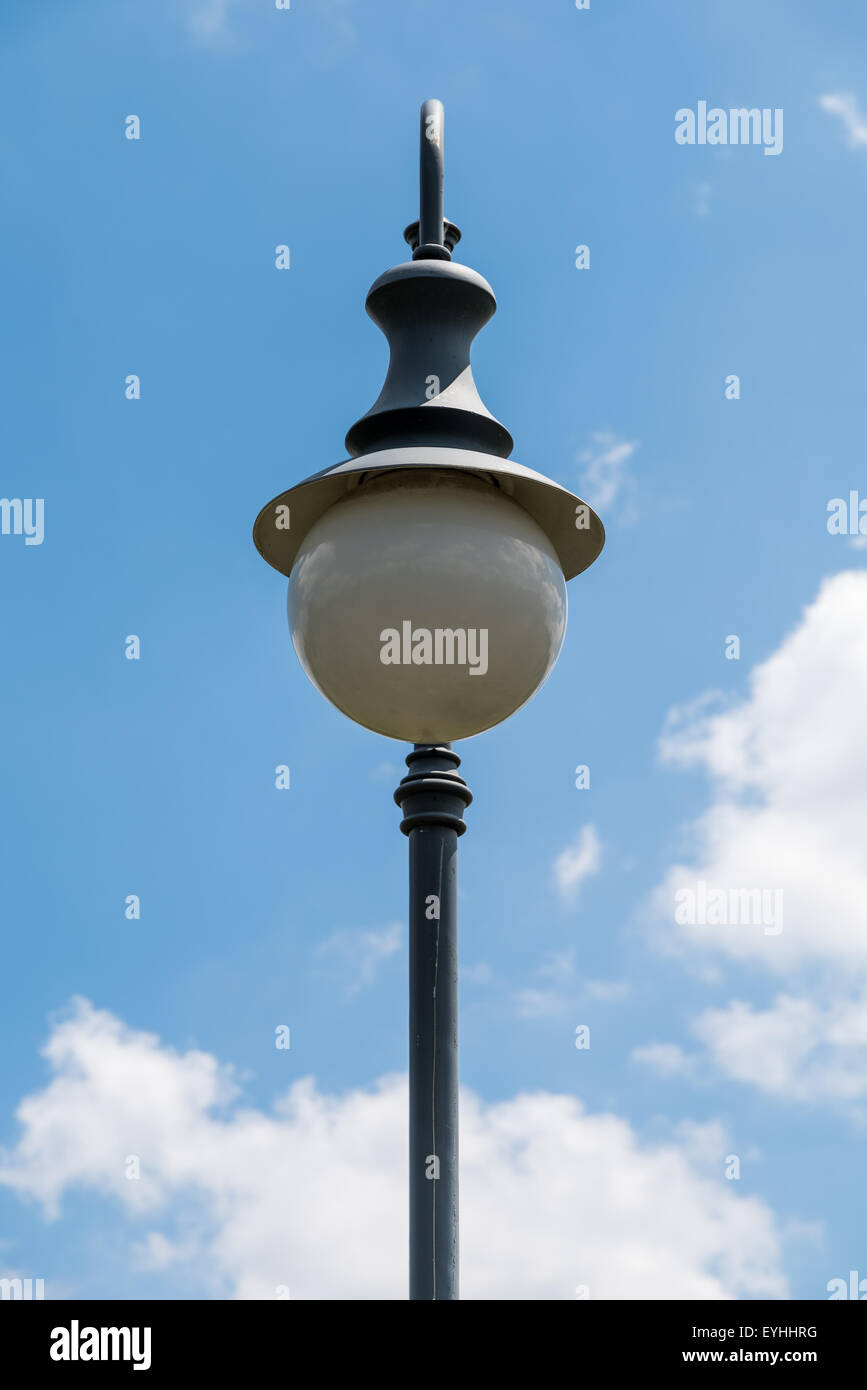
point(427, 573)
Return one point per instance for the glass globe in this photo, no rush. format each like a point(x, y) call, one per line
point(427, 606)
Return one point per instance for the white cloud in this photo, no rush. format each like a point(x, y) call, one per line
point(563, 988)
point(666, 1059)
point(789, 771)
point(478, 974)
point(788, 768)
point(210, 23)
point(844, 106)
point(577, 862)
point(540, 1003)
point(797, 1048)
point(339, 30)
point(312, 1194)
point(209, 20)
point(702, 199)
point(557, 994)
point(607, 991)
point(357, 955)
point(605, 471)
point(559, 966)
point(384, 772)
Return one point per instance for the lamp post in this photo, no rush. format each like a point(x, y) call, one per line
point(427, 601)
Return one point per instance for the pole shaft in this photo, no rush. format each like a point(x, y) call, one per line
point(433, 798)
point(433, 1064)
point(431, 166)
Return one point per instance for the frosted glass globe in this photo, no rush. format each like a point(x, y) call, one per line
point(427, 606)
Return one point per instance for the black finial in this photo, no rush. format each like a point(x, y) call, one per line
point(432, 237)
point(430, 309)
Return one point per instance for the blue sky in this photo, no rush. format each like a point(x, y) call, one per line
point(155, 777)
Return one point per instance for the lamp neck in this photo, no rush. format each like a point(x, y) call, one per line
point(432, 793)
point(430, 310)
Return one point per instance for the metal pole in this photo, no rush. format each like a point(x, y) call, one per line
point(431, 166)
point(433, 799)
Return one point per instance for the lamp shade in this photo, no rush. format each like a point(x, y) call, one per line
point(427, 605)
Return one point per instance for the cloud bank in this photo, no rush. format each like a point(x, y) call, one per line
point(310, 1196)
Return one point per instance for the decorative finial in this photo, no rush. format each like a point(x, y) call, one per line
point(432, 237)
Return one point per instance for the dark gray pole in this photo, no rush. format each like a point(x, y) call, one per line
point(431, 166)
point(433, 799)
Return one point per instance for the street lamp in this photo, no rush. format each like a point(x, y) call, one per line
point(427, 601)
